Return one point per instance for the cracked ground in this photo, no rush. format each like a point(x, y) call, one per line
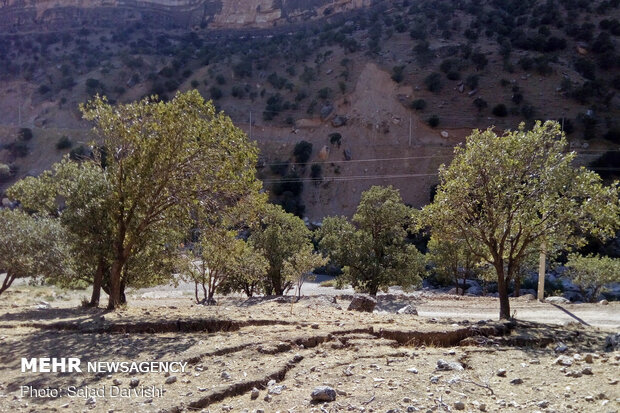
point(379, 362)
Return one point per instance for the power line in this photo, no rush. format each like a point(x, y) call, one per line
point(345, 178)
point(402, 158)
point(360, 160)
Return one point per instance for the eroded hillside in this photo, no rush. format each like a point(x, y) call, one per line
point(382, 90)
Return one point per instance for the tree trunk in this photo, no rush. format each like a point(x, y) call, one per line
point(123, 297)
point(97, 281)
point(114, 300)
point(517, 291)
point(277, 285)
point(8, 280)
point(196, 292)
point(502, 289)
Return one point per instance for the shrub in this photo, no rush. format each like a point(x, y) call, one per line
point(64, 143)
point(335, 138)
point(528, 111)
point(433, 82)
point(418, 104)
point(480, 103)
point(279, 167)
point(316, 172)
point(397, 73)
point(215, 92)
point(591, 273)
point(78, 153)
point(25, 134)
point(5, 172)
point(302, 151)
point(472, 81)
point(500, 110)
point(433, 121)
point(19, 149)
point(325, 93)
point(453, 75)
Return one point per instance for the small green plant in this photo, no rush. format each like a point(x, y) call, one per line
point(433, 121)
point(418, 104)
point(64, 143)
point(500, 110)
point(302, 151)
point(335, 138)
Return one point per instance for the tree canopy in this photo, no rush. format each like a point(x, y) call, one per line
point(30, 246)
point(505, 194)
point(165, 159)
point(372, 248)
point(280, 236)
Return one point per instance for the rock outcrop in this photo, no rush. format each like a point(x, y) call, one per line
point(19, 15)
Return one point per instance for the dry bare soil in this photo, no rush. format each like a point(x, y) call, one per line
point(380, 362)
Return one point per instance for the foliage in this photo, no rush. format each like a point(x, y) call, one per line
point(418, 104)
point(451, 261)
point(397, 73)
point(500, 110)
point(25, 134)
point(302, 151)
point(372, 248)
point(298, 267)
point(5, 172)
point(505, 194)
point(433, 82)
point(168, 158)
point(64, 143)
point(335, 138)
point(592, 272)
point(247, 273)
point(30, 246)
point(280, 236)
point(433, 121)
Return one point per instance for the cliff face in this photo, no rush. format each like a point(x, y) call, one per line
point(25, 15)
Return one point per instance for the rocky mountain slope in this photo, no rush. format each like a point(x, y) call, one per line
point(381, 89)
point(19, 15)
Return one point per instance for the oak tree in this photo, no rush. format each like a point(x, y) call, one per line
point(504, 194)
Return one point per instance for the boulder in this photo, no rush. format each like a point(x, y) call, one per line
point(612, 342)
point(324, 153)
point(363, 303)
point(326, 110)
point(557, 300)
point(339, 121)
point(323, 394)
point(449, 365)
point(347, 154)
point(408, 309)
point(475, 290)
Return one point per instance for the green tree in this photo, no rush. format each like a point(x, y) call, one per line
point(166, 159)
point(212, 259)
point(452, 261)
point(506, 194)
point(83, 190)
point(30, 246)
point(280, 236)
point(299, 266)
point(592, 272)
point(372, 248)
point(248, 272)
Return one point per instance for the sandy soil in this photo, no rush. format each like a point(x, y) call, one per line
point(375, 362)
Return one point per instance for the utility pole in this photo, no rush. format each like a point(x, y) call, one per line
point(541, 271)
point(409, 130)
